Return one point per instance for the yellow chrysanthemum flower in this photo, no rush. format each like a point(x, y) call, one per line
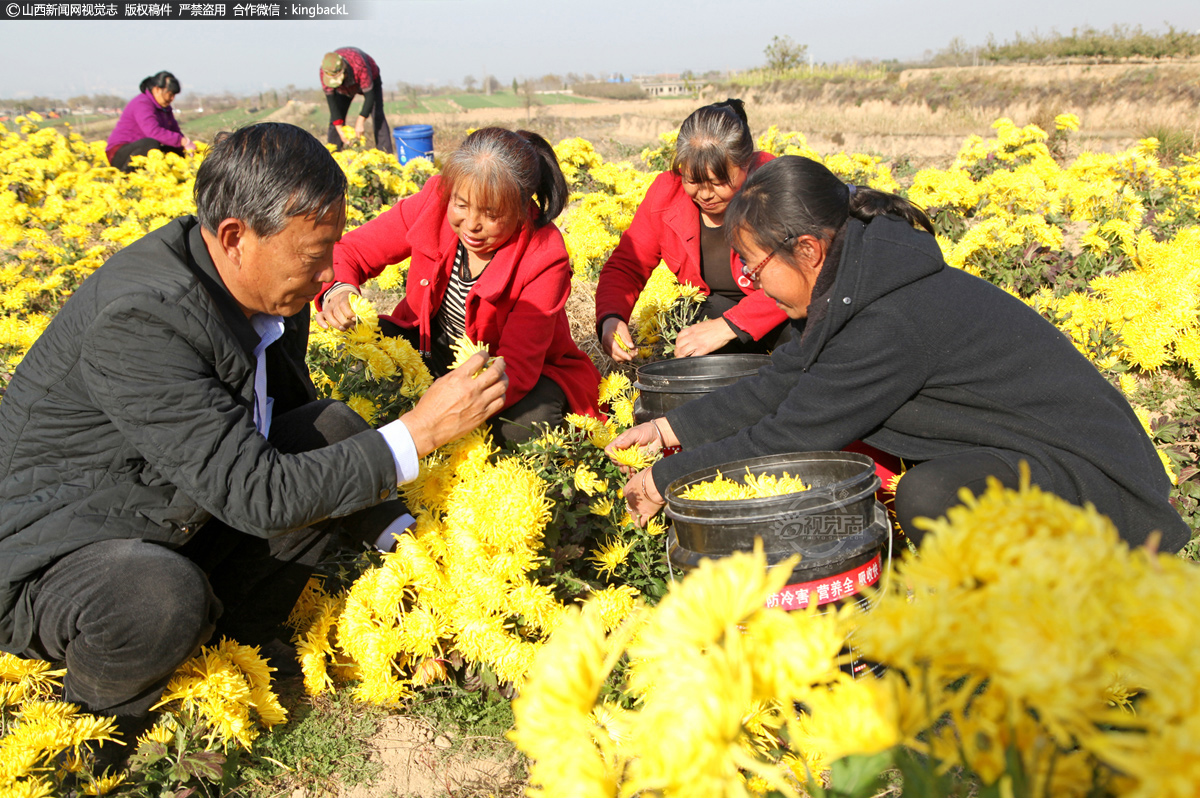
point(633, 457)
point(602, 506)
point(611, 555)
point(364, 407)
point(587, 481)
point(364, 311)
point(464, 349)
point(752, 486)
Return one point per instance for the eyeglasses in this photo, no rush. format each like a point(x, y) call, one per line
point(752, 274)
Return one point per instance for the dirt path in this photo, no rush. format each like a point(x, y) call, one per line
point(417, 761)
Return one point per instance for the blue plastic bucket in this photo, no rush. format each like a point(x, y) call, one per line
point(413, 141)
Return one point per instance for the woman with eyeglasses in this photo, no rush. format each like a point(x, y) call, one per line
point(918, 359)
point(681, 222)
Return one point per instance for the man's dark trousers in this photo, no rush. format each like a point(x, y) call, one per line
point(124, 614)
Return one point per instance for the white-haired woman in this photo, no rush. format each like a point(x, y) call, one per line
point(489, 264)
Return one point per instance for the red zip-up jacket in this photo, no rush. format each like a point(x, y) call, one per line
point(517, 306)
point(667, 227)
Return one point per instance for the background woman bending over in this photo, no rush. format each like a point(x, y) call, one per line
point(489, 264)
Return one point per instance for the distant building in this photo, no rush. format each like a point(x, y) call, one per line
point(665, 88)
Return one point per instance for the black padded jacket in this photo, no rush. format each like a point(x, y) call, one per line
point(132, 417)
point(922, 361)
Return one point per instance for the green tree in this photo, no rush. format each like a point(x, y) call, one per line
point(783, 54)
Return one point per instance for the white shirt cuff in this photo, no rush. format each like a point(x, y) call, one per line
point(387, 541)
point(404, 451)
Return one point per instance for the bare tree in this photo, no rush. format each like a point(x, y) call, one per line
point(529, 95)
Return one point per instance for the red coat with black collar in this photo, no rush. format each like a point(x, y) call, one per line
point(516, 307)
point(667, 227)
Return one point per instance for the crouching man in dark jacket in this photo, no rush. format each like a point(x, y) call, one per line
point(166, 474)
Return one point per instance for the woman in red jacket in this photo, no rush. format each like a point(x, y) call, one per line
point(489, 264)
point(680, 222)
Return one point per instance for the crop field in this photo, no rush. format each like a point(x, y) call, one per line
point(456, 103)
point(204, 126)
point(1028, 651)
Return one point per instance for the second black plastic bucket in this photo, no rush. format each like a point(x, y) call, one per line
point(836, 526)
point(666, 384)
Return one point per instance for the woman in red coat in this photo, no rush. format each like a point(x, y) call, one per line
point(680, 222)
point(489, 264)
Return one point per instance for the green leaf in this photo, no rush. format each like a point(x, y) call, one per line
point(859, 775)
point(991, 790)
point(203, 764)
point(230, 770)
point(920, 775)
point(1015, 767)
point(486, 676)
point(148, 752)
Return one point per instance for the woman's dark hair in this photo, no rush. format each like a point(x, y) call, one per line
point(265, 174)
point(793, 196)
point(712, 139)
point(507, 172)
point(162, 80)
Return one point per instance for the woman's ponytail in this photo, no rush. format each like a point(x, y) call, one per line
point(738, 106)
point(867, 203)
point(551, 192)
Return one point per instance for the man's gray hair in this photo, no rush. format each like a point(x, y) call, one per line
point(265, 174)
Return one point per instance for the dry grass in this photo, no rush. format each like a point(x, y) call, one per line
point(919, 114)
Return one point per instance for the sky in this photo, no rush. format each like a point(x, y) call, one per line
point(442, 41)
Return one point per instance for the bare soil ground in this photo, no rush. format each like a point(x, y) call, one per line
point(418, 761)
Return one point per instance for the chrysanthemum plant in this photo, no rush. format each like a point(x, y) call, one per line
point(379, 377)
point(1112, 238)
point(589, 512)
point(1028, 652)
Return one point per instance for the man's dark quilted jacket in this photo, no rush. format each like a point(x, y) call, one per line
point(132, 417)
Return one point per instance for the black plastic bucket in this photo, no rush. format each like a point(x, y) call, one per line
point(836, 526)
point(666, 384)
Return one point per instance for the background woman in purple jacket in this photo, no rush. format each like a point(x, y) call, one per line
point(148, 123)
